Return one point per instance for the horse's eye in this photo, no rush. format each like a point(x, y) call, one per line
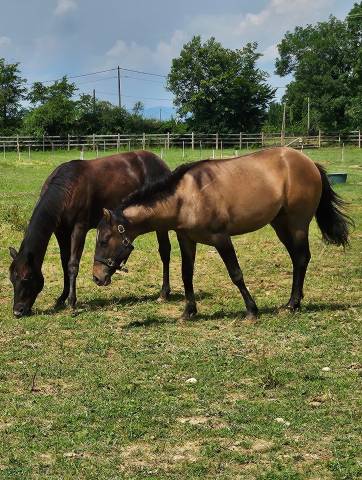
point(103, 243)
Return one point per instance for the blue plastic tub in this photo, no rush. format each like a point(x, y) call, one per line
point(337, 177)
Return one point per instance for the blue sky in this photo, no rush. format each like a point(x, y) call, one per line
point(56, 37)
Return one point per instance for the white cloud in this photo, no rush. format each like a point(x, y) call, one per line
point(135, 55)
point(65, 6)
point(4, 42)
point(270, 53)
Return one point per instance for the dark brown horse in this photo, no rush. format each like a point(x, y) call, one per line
point(210, 201)
point(70, 204)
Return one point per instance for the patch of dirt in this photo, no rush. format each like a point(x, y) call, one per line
point(258, 446)
point(211, 422)
point(141, 455)
point(47, 458)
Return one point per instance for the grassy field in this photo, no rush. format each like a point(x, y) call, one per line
point(107, 394)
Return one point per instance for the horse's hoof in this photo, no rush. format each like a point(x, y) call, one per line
point(188, 315)
point(289, 308)
point(59, 305)
point(164, 296)
point(250, 318)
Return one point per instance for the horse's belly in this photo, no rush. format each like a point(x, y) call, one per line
point(251, 217)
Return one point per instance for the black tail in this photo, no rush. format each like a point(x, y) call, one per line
point(331, 219)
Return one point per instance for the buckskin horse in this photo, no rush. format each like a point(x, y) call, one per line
point(70, 204)
point(210, 201)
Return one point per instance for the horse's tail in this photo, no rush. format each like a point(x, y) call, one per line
point(333, 222)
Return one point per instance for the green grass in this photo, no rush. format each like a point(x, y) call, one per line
point(103, 395)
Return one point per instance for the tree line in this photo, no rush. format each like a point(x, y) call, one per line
point(215, 89)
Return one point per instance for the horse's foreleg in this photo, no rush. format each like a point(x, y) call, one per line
point(77, 244)
point(227, 252)
point(164, 249)
point(188, 252)
point(295, 240)
point(64, 246)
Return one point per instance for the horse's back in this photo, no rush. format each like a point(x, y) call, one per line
point(248, 192)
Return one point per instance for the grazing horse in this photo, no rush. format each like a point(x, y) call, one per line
point(210, 201)
point(69, 205)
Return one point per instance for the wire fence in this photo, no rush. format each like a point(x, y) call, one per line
point(174, 140)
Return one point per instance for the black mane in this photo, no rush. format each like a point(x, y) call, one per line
point(54, 196)
point(160, 188)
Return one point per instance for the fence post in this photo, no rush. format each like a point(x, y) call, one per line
point(216, 141)
point(94, 142)
point(68, 142)
point(18, 146)
point(144, 141)
point(262, 139)
point(359, 138)
point(168, 140)
point(118, 142)
point(319, 138)
point(240, 140)
point(43, 143)
point(192, 141)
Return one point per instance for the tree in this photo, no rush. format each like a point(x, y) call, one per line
point(325, 60)
point(12, 92)
point(218, 89)
point(138, 108)
point(54, 110)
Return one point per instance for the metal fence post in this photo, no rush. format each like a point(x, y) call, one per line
point(216, 141)
point(240, 140)
point(144, 141)
point(192, 140)
point(319, 139)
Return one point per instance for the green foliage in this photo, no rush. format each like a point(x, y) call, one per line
point(218, 89)
point(54, 111)
point(12, 91)
point(325, 60)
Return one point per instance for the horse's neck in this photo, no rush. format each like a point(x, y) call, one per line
point(37, 237)
point(161, 214)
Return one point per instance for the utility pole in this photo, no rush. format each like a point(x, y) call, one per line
point(94, 101)
point(308, 117)
point(160, 114)
point(119, 87)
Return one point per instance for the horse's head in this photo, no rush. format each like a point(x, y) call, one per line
point(27, 280)
point(113, 246)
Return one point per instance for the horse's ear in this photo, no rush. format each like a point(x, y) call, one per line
point(13, 253)
point(107, 215)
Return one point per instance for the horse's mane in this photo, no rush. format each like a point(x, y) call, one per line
point(54, 197)
point(160, 188)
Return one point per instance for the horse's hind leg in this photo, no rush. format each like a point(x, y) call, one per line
point(164, 249)
point(188, 252)
point(295, 239)
point(63, 239)
point(227, 252)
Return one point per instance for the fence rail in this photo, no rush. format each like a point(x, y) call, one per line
point(187, 140)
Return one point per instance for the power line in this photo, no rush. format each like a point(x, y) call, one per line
point(102, 71)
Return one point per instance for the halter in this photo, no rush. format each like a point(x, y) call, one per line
point(116, 262)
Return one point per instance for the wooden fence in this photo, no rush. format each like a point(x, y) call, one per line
point(187, 140)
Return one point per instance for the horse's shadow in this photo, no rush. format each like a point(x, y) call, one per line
point(151, 319)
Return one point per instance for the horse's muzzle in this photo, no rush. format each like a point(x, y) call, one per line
point(102, 283)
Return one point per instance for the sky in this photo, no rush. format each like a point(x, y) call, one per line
point(52, 38)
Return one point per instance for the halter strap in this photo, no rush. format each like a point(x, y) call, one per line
point(116, 262)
